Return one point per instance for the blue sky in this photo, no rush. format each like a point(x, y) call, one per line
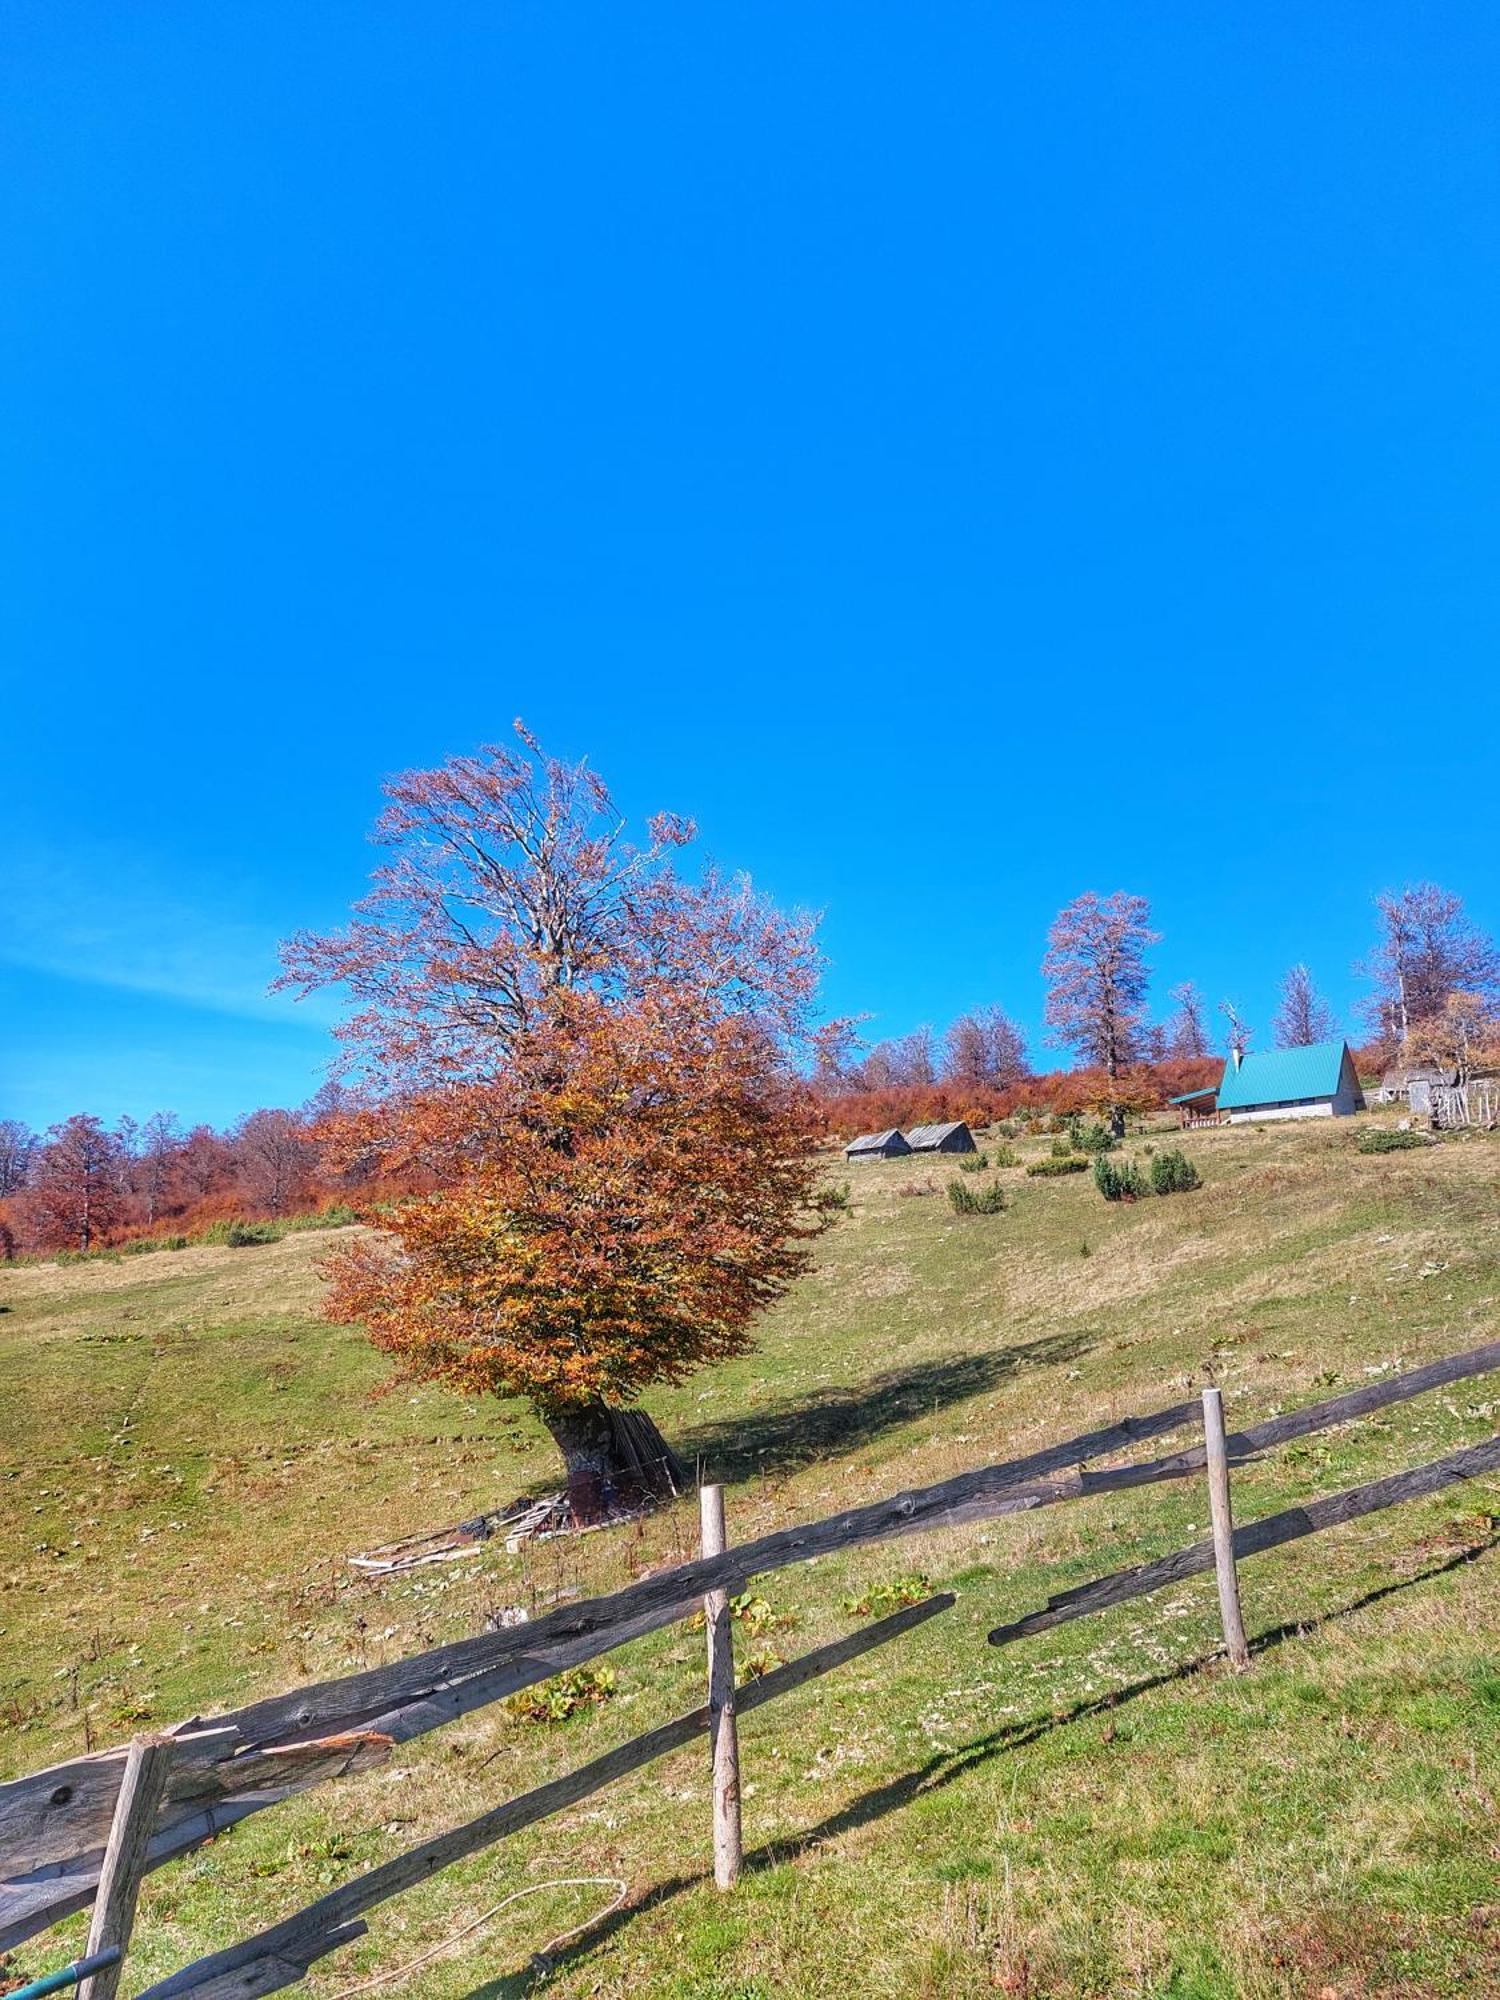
point(961, 455)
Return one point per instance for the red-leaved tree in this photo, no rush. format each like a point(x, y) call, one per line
point(586, 1060)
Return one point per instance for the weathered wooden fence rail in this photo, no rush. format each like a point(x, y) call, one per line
point(57, 1825)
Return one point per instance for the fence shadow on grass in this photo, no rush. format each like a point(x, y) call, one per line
point(943, 1770)
point(780, 1437)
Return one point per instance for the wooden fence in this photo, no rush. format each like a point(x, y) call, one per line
point(86, 1832)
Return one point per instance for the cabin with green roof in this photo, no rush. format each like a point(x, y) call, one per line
point(1319, 1081)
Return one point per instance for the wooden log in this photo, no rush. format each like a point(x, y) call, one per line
point(124, 1864)
point(409, 1696)
point(723, 1734)
point(1222, 1516)
point(1256, 1538)
point(281, 1955)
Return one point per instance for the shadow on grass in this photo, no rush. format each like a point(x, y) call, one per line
point(938, 1773)
point(778, 1437)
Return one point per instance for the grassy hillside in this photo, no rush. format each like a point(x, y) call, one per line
point(189, 1455)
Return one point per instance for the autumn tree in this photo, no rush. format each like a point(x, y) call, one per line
point(272, 1156)
point(985, 1049)
point(77, 1190)
point(591, 1058)
point(1097, 979)
point(17, 1149)
point(1427, 949)
point(1462, 1036)
point(1187, 1032)
point(156, 1155)
point(1303, 1017)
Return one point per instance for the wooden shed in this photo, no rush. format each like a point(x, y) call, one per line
point(953, 1138)
point(877, 1146)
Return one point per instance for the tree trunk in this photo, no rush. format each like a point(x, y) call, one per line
point(616, 1460)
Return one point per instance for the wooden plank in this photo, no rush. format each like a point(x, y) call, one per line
point(62, 1816)
point(1256, 1538)
point(281, 1955)
point(723, 1735)
point(1221, 1514)
point(124, 1866)
point(202, 1800)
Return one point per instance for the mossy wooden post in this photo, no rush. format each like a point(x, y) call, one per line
point(723, 1732)
point(141, 1785)
point(1217, 1461)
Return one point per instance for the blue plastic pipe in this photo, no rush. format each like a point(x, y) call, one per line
point(57, 1982)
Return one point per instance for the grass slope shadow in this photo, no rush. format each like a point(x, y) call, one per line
point(783, 1436)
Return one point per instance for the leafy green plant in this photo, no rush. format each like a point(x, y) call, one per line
point(756, 1665)
point(1384, 1140)
point(1062, 1163)
point(882, 1598)
point(964, 1200)
point(1004, 1156)
point(1119, 1180)
point(1172, 1172)
point(557, 1699)
point(973, 1163)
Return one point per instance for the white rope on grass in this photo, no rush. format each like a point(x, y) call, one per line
point(533, 1889)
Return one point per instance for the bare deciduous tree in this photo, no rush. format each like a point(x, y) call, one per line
point(1098, 978)
point(1303, 1017)
point(273, 1155)
point(1241, 1034)
point(17, 1148)
point(985, 1048)
point(1187, 1031)
point(1428, 948)
point(161, 1136)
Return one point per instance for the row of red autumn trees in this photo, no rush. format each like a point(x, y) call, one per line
point(84, 1184)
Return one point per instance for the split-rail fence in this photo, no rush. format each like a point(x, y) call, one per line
point(85, 1833)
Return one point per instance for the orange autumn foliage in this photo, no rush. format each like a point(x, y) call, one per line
point(611, 1212)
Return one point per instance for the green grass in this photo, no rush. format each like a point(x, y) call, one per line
point(190, 1454)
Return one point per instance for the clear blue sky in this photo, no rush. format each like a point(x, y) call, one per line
point(963, 455)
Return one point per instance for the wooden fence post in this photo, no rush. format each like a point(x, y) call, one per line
point(723, 1731)
point(141, 1786)
point(1223, 1526)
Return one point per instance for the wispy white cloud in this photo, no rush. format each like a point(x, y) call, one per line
point(107, 917)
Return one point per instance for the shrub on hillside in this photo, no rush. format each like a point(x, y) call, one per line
point(238, 1234)
point(974, 1163)
point(965, 1200)
point(339, 1216)
point(1172, 1172)
point(1004, 1156)
point(1091, 1137)
point(1061, 1163)
point(1119, 1180)
point(1384, 1140)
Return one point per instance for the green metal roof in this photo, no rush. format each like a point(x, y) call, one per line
point(1192, 1096)
point(1282, 1076)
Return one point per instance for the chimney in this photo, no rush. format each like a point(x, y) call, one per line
point(1235, 1053)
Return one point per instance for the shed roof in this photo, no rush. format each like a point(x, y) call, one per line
point(933, 1135)
point(1282, 1076)
point(876, 1142)
point(1192, 1096)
